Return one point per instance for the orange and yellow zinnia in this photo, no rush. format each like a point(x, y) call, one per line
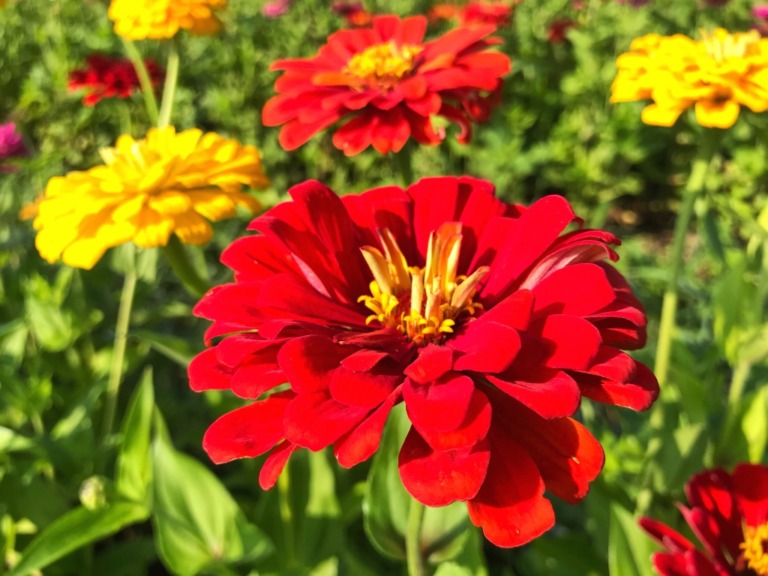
point(716, 75)
point(162, 19)
point(145, 191)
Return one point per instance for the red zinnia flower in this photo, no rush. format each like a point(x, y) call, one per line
point(729, 515)
point(106, 77)
point(386, 84)
point(486, 320)
point(353, 12)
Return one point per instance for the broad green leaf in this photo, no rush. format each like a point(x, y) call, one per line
point(10, 441)
point(452, 569)
point(754, 425)
point(75, 529)
point(52, 326)
point(386, 502)
point(629, 548)
point(133, 467)
point(197, 522)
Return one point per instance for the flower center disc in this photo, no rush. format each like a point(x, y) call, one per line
point(421, 303)
point(755, 548)
point(383, 64)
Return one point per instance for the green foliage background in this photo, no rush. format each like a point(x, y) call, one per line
point(152, 503)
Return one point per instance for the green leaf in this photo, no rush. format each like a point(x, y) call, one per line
point(197, 522)
point(75, 529)
point(754, 425)
point(386, 502)
point(629, 548)
point(133, 471)
point(51, 325)
point(174, 348)
point(10, 441)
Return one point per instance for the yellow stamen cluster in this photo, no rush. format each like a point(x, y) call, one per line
point(383, 64)
point(755, 547)
point(422, 303)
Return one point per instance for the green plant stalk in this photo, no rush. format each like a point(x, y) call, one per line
point(147, 90)
point(667, 322)
point(404, 166)
point(169, 88)
point(735, 392)
point(178, 258)
point(118, 358)
point(286, 517)
point(413, 553)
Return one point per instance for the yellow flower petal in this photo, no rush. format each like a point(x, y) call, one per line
point(717, 114)
point(655, 115)
point(146, 190)
point(160, 19)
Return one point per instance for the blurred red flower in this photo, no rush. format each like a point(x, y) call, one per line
point(487, 319)
point(475, 13)
point(729, 515)
point(386, 85)
point(353, 12)
point(107, 77)
point(557, 30)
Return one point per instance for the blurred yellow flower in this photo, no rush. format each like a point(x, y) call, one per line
point(159, 19)
point(716, 75)
point(146, 190)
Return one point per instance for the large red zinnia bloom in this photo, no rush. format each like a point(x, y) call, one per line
point(729, 514)
point(107, 77)
point(487, 319)
point(386, 84)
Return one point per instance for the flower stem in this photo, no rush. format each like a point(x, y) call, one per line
point(404, 166)
point(118, 358)
point(286, 517)
point(413, 552)
point(178, 258)
point(147, 90)
point(667, 323)
point(169, 88)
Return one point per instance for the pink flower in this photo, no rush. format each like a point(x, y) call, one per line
point(11, 146)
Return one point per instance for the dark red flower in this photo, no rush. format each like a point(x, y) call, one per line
point(386, 85)
point(729, 515)
point(353, 12)
point(488, 320)
point(107, 77)
point(558, 29)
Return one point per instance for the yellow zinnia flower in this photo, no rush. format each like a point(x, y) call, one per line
point(146, 190)
point(159, 19)
point(716, 75)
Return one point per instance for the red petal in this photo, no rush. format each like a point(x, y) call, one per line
point(432, 362)
point(308, 362)
point(439, 478)
point(575, 342)
point(751, 489)
point(486, 346)
point(549, 393)
point(664, 535)
point(472, 430)
point(248, 431)
point(670, 564)
point(362, 442)
point(578, 290)
point(205, 372)
point(274, 464)
point(440, 406)
point(514, 311)
point(712, 492)
point(362, 389)
point(615, 378)
point(510, 507)
point(315, 421)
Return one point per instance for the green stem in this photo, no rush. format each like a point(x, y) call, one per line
point(667, 323)
point(284, 504)
point(404, 166)
point(178, 258)
point(413, 551)
point(169, 89)
point(147, 90)
point(735, 392)
point(118, 358)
